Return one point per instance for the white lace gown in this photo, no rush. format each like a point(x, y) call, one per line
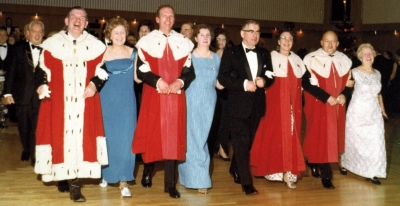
point(365, 152)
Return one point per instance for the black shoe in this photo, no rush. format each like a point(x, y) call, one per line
point(343, 171)
point(249, 190)
point(236, 177)
point(172, 192)
point(146, 180)
point(3, 125)
point(327, 183)
point(374, 180)
point(25, 156)
point(314, 170)
point(63, 186)
point(75, 192)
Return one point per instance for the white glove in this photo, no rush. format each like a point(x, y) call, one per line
point(269, 74)
point(45, 92)
point(314, 81)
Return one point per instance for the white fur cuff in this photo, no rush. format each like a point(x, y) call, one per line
point(102, 155)
point(43, 159)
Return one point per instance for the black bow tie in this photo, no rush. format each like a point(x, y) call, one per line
point(253, 50)
point(36, 47)
point(5, 46)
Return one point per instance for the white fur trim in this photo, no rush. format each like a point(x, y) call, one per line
point(102, 155)
point(43, 159)
point(279, 64)
point(65, 171)
point(155, 42)
point(320, 62)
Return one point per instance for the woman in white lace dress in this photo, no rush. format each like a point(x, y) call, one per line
point(365, 152)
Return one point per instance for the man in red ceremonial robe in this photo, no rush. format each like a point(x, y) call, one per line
point(164, 65)
point(325, 97)
point(70, 142)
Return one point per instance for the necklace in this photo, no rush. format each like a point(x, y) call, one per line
point(205, 55)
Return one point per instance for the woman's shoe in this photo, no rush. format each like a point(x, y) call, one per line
point(203, 191)
point(343, 171)
point(103, 183)
point(125, 192)
point(288, 183)
point(223, 155)
point(374, 180)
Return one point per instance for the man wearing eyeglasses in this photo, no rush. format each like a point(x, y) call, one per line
point(243, 72)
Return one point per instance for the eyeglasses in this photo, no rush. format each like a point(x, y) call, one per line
point(286, 38)
point(252, 31)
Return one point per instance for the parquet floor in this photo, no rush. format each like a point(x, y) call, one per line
point(19, 185)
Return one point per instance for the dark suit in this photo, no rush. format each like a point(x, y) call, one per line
point(20, 83)
point(8, 32)
point(245, 108)
point(4, 65)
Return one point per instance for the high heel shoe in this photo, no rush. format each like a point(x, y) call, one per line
point(290, 184)
point(203, 191)
point(103, 183)
point(125, 192)
point(223, 155)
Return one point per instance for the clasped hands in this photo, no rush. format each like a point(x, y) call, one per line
point(164, 88)
point(252, 86)
point(341, 99)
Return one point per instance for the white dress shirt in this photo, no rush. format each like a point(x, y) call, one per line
point(253, 63)
point(3, 51)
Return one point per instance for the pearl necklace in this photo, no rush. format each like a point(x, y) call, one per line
point(206, 55)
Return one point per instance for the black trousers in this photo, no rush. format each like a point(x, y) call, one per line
point(27, 121)
point(242, 135)
point(169, 173)
point(326, 170)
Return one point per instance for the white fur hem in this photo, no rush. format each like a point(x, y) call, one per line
point(43, 159)
point(102, 155)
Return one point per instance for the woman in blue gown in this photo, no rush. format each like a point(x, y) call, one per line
point(118, 105)
point(200, 100)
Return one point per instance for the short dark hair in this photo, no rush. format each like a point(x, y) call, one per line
point(250, 22)
point(77, 8)
point(164, 6)
point(147, 23)
point(284, 29)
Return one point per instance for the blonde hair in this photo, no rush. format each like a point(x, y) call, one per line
point(114, 22)
point(364, 46)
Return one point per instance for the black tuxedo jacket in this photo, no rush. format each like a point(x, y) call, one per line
point(6, 63)
point(20, 78)
point(234, 69)
point(5, 27)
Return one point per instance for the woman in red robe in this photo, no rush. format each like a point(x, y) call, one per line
point(276, 152)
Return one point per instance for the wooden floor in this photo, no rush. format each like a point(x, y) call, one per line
point(19, 185)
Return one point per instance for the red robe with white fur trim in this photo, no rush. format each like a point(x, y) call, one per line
point(70, 140)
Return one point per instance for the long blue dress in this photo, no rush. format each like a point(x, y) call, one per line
point(118, 104)
point(200, 100)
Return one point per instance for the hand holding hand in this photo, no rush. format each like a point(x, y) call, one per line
point(162, 86)
point(341, 99)
point(260, 82)
point(332, 101)
point(250, 86)
point(175, 87)
point(90, 90)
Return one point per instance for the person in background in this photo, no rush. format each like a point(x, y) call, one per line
point(280, 129)
point(118, 106)
point(326, 91)
point(218, 140)
point(131, 40)
point(6, 55)
point(200, 100)
point(365, 149)
point(11, 40)
point(187, 29)
point(20, 88)
point(164, 65)
point(70, 142)
point(8, 26)
point(145, 27)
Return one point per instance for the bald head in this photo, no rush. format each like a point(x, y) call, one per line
point(329, 42)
